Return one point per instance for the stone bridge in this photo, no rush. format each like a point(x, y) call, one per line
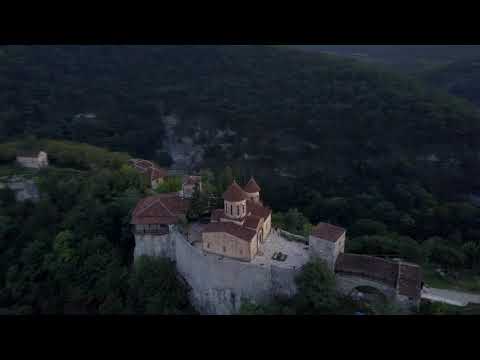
point(347, 283)
point(397, 280)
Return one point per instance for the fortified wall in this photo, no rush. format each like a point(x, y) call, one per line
point(218, 284)
point(238, 257)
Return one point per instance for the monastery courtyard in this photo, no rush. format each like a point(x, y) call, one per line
point(296, 252)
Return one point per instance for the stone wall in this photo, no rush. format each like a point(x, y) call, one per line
point(220, 285)
point(267, 226)
point(283, 281)
point(323, 249)
point(346, 283)
point(154, 245)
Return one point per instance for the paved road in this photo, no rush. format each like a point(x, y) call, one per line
point(451, 297)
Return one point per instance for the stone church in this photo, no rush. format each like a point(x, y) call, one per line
point(237, 230)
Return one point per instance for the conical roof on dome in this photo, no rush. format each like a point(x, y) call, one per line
point(252, 187)
point(234, 193)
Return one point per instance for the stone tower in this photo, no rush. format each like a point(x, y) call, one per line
point(327, 242)
point(235, 202)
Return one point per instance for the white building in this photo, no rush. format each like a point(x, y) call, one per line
point(33, 160)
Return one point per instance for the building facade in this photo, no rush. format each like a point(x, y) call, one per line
point(33, 160)
point(237, 230)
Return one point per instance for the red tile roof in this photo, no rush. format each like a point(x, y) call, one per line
point(149, 168)
point(328, 232)
point(370, 267)
point(252, 187)
point(253, 222)
point(257, 209)
point(157, 173)
point(408, 277)
point(232, 229)
point(164, 209)
point(234, 193)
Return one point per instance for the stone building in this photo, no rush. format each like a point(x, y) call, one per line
point(153, 219)
point(239, 228)
point(238, 257)
point(327, 242)
point(33, 160)
point(155, 175)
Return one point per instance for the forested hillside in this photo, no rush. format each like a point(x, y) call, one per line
point(337, 139)
point(461, 78)
point(71, 252)
point(402, 57)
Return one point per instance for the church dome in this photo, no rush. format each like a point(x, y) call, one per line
point(252, 187)
point(234, 193)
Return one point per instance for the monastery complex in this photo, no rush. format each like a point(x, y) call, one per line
point(237, 256)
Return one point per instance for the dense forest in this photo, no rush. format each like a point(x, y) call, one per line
point(386, 156)
point(401, 57)
point(460, 78)
point(71, 252)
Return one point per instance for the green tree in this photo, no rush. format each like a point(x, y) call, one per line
point(154, 288)
point(199, 204)
point(368, 227)
point(316, 289)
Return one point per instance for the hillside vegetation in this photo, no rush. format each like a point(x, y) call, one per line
point(402, 57)
point(461, 78)
point(71, 252)
point(385, 156)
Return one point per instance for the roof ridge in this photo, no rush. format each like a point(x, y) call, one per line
point(155, 201)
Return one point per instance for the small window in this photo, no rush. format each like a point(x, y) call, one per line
point(241, 252)
point(224, 249)
point(208, 245)
point(238, 210)
point(231, 210)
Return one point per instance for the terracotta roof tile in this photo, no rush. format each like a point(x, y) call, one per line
point(257, 209)
point(145, 166)
point(160, 209)
point(252, 187)
point(370, 267)
point(253, 222)
point(232, 229)
point(234, 193)
point(157, 173)
point(328, 232)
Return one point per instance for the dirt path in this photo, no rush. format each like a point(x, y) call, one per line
point(451, 297)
